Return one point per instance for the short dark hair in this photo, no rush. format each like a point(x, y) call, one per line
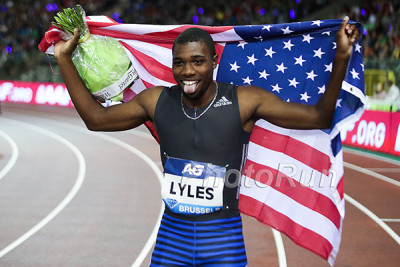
point(195, 35)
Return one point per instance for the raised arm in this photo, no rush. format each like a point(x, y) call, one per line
point(257, 103)
point(96, 117)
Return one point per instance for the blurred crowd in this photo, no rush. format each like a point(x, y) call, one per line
point(23, 22)
point(381, 42)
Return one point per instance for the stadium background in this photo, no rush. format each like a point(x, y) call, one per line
point(23, 23)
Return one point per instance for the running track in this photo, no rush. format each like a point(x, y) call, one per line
point(71, 197)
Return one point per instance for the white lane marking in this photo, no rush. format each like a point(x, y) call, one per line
point(370, 155)
point(391, 220)
point(371, 173)
point(373, 217)
point(153, 236)
point(384, 169)
point(142, 134)
point(280, 248)
point(78, 183)
point(14, 155)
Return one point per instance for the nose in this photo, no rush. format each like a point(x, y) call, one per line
point(188, 70)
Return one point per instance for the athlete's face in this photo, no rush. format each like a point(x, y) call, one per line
point(193, 67)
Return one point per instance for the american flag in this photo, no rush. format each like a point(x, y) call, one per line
point(293, 179)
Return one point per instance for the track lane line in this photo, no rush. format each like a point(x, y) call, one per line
point(371, 173)
point(78, 183)
point(14, 155)
point(391, 220)
point(375, 218)
point(280, 248)
point(361, 207)
point(153, 236)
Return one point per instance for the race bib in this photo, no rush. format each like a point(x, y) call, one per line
point(192, 187)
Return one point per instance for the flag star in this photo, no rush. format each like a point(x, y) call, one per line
point(354, 73)
point(299, 60)
point(334, 45)
point(305, 97)
point(358, 48)
point(288, 45)
point(267, 27)
point(362, 66)
point(318, 53)
point(264, 74)
point(242, 44)
point(293, 82)
point(307, 38)
point(327, 33)
point(321, 89)
point(234, 67)
point(259, 38)
point(276, 88)
point(287, 30)
point(339, 103)
point(252, 59)
point(269, 51)
point(311, 75)
point(281, 68)
point(317, 22)
point(288, 100)
point(247, 80)
point(328, 67)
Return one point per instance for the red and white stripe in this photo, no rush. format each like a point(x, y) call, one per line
point(310, 214)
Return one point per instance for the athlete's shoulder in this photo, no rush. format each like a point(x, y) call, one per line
point(150, 94)
point(250, 91)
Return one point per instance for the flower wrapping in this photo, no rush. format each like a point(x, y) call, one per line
point(101, 61)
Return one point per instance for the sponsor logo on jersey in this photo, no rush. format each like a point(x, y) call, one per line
point(223, 102)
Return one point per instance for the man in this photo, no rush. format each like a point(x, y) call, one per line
point(203, 129)
point(393, 96)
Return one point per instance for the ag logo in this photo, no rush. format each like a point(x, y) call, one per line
point(196, 170)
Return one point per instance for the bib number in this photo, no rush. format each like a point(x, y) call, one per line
point(191, 187)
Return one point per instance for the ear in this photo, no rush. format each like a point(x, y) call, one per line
point(215, 61)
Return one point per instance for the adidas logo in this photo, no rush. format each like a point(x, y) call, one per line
point(223, 102)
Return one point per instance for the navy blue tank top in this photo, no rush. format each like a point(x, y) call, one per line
point(216, 137)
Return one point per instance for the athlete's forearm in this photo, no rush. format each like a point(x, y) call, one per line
point(327, 103)
point(346, 36)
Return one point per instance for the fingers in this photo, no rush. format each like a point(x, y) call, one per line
point(350, 30)
point(352, 33)
point(65, 48)
point(75, 39)
point(344, 23)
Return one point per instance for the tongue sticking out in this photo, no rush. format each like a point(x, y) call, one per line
point(189, 88)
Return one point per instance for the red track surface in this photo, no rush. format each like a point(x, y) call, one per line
point(114, 211)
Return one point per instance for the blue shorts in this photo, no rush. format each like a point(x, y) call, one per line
point(216, 242)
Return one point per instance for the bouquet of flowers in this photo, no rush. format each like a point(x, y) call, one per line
point(101, 61)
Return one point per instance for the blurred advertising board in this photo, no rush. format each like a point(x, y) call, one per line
point(37, 93)
point(376, 130)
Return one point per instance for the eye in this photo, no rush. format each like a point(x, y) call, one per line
point(177, 62)
point(198, 61)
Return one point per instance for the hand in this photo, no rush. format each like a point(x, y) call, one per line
point(65, 48)
point(345, 38)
